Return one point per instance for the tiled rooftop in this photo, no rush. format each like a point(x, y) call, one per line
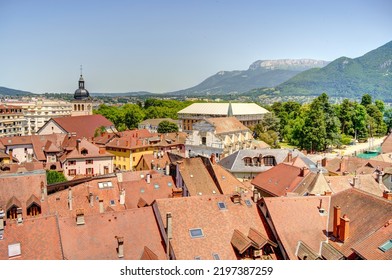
point(97, 238)
point(217, 226)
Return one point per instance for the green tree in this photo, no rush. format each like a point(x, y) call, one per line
point(167, 127)
point(133, 116)
point(314, 129)
point(366, 100)
point(54, 177)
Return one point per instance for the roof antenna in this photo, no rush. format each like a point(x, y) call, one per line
point(81, 70)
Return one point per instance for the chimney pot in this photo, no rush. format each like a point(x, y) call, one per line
point(148, 178)
point(122, 197)
point(387, 195)
point(70, 198)
point(344, 228)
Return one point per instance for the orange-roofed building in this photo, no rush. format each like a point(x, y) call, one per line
point(81, 126)
point(23, 195)
point(112, 235)
point(86, 159)
point(35, 239)
point(214, 227)
point(142, 192)
point(286, 180)
point(98, 195)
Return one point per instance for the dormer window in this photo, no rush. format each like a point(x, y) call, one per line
point(84, 152)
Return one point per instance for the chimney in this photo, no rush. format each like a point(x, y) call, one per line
point(19, 217)
point(78, 144)
point(336, 221)
point(341, 165)
point(79, 217)
point(379, 177)
point(2, 215)
point(122, 197)
point(290, 157)
point(119, 177)
point(255, 195)
point(169, 232)
point(303, 171)
point(344, 228)
point(91, 199)
point(327, 193)
point(102, 150)
point(120, 246)
point(212, 158)
point(101, 206)
point(43, 191)
point(10, 151)
point(167, 169)
point(355, 181)
point(70, 198)
point(387, 195)
point(127, 143)
point(148, 178)
point(324, 162)
point(236, 198)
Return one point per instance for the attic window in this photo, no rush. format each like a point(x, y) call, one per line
point(196, 233)
point(84, 152)
point(248, 203)
point(386, 246)
point(14, 250)
point(222, 206)
point(215, 256)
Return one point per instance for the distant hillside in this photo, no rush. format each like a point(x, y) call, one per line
point(346, 77)
point(262, 73)
point(12, 92)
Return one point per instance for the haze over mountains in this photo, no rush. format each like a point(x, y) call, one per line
point(344, 77)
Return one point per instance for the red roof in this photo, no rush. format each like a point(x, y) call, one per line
point(279, 180)
point(83, 126)
point(97, 238)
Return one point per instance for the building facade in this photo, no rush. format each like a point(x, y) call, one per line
point(37, 112)
point(249, 114)
point(11, 120)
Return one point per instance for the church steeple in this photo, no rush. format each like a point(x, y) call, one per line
point(81, 93)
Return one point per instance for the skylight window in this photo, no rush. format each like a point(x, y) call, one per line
point(141, 190)
point(169, 184)
point(248, 203)
point(14, 250)
point(156, 186)
point(196, 233)
point(222, 206)
point(198, 258)
point(104, 185)
point(386, 246)
point(215, 256)
point(112, 202)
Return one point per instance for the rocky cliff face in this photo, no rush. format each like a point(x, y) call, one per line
point(288, 64)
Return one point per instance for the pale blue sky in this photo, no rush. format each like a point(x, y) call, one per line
point(169, 45)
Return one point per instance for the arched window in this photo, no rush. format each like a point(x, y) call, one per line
point(78, 107)
point(82, 107)
point(84, 152)
point(75, 107)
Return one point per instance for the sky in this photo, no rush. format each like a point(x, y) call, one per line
point(168, 45)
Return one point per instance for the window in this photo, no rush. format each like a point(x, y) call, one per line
point(156, 186)
point(198, 258)
point(215, 256)
point(84, 152)
point(89, 161)
point(169, 184)
point(269, 161)
point(72, 162)
point(89, 171)
point(386, 246)
point(71, 172)
point(112, 202)
point(204, 141)
point(222, 206)
point(248, 203)
point(34, 210)
point(196, 233)
point(104, 185)
point(14, 250)
point(248, 161)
